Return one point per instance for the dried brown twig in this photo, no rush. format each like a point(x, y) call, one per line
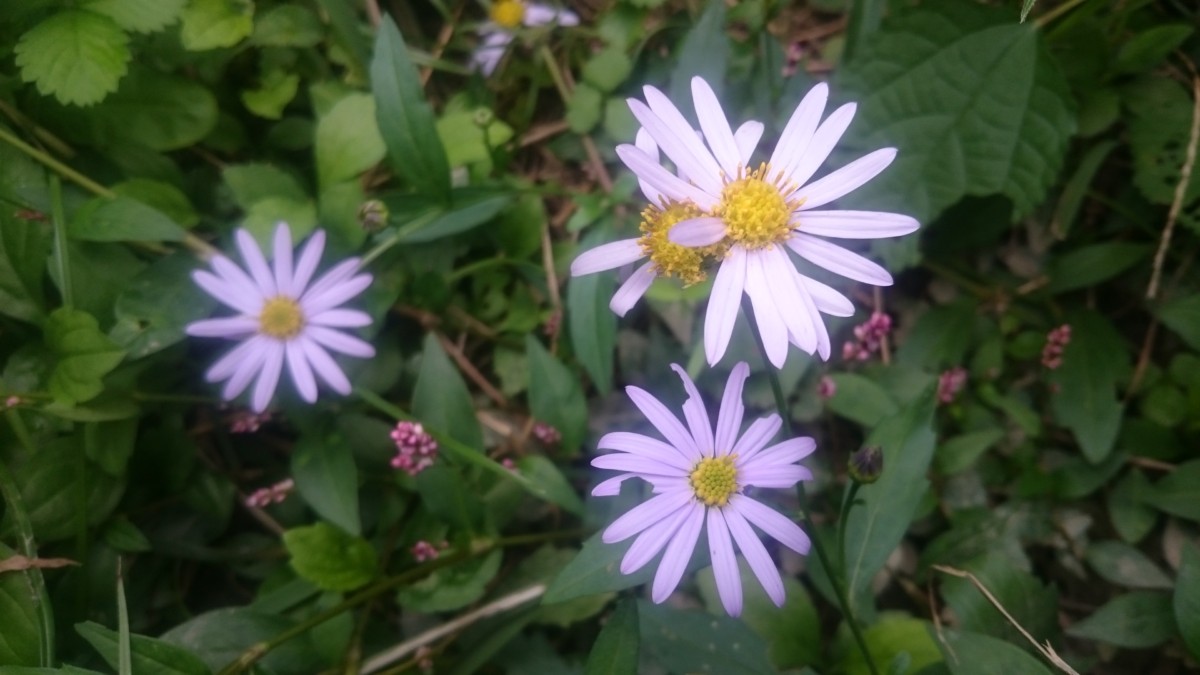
point(1185, 176)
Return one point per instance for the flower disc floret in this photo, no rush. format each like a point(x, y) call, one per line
point(508, 13)
point(714, 480)
point(671, 259)
point(754, 210)
point(281, 318)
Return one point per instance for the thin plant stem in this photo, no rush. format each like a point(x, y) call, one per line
point(28, 546)
point(61, 259)
point(843, 516)
point(818, 545)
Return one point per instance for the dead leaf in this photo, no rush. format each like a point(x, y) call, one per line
point(19, 562)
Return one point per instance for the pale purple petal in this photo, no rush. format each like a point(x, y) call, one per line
point(715, 126)
point(340, 342)
point(255, 262)
point(662, 180)
point(838, 260)
point(729, 418)
point(854, 224)
point(264, 388)
point(826, 299)
point(235, 278)
point(324, 365)
point(695, 413)
point(761, 431)
point(228, 364)
point(693, 232)
point(778, 477)
point(309, 258)
point(341, 318)
point(786, 452)
point(778, 269)
point(678, 140)
point(747, 137)
point(723, 304)
point(815, 321)
point(612, 486)
point(665, 421)
point(331, 278)
point(823, 141)
point(767, 316)
point(607, 256)
point(644, 515)
point(756, 556)
point(771, 522)
point(678, 554)
point(846, 179)
point(230, 327)
point(724, 563)
point(490, 50)
point(283, 260)
point(301, 372)
point(624, 441)
point(247, 366)
point(798, 132)
point(314, 302)
point(624, 461)
point(652, 540)
point(646, 144)
point(540, 15)
point(633, 289)
point(246, 300)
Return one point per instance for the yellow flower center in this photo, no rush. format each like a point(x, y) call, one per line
point(714, 480)
point(508, 13)
point(671, 259)
point(281, 318)
point(754, 209)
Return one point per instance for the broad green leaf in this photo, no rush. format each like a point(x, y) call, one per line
point(892, 641)
point(1176, 494)
point(1182, 315)
point(149, 655)
point(110, 444)
point(220, 636)
point(156, 305)
point(972, 101)
point(348, 140)
point(684, 641)
point(75, 55)
point(607, 69)
point(55, 481)
point(792, 632)
point(211, 24)
point(452, 588)
point(99, 274)
point(24, 246)
point(441, 399)
point(1086, 402)
point(1031, 602)
point(874, 528)
point(470, 208)
point(615, 651)
point(1090, 265)
point(584, 108)
point(252, 183)
point(704, 52)
point(163, 197)
point(1159, 122)
point(592, 327)
point(262, 217)
point(448, 496)
point(276, 90)
point(139, 16)
point(1143, 52)
point(1131, 516)
point(470, 135)
point(960, 452)
point(595, 570)
point(121, 219)
point(20, 637)
point(83, 354)
point(861, 399)
point(1124, 565)
point(940, 338)
point(327, 478)
point(1186, 599)
point(125, 537)
point(974, 654)
point(330, 558)
point(287, 26)
point(1077, 186)
point(1137, 620)
point(22, 181)
point(405, 119)
point(554, 395)
point(547, 482)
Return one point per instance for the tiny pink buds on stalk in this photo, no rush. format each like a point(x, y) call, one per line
point(247, 422)
point(12, 401)
point(545, 433)
point(951, 383)
point(1056, 341)
point(264, 497)
point(869, 335)
point(826, 387)
point(415, 449)
point(423, 551)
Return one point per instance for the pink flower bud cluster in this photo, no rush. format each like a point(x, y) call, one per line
point(415, 449)
point(275, 494)
point(951, 383)
point(869, 335)
point(1056, 341)
point(826, 387)
point(247, 422)
point(545, 433)
point(12, 401)
point(423, 551)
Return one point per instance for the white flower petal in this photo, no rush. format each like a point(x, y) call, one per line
point(301, 372)
point(715, 126)
point(693, 232)
point(678, 140)
point(340, 342)
point(652, 540)
point(633, 289)
point(316, 301)
point(341, 318)
point(283, 259)
point(540, 15)
point(678, 554)
point(786, 452)
point(761, 431)
point(624, 461)
point(607, 256)
point(724, 563)
point(331, 278)
point(612, 486)
point(644, 515)
point(646, 144)
point(247, 366)
point(854, 224)
point(236, 278)
point(723, 304)
point(729, 418)
point(826, 299)
point(817, 339)
point(771, 328)
point(747, 137)
point(793, 311)
point(846, 179)
point(324, 366)
point(246, 303)
point(664, 421)
point(228, 364)
point(779, 477)
point(756, 556)
point(268, 378)
point(624, 441)
point(695, 413)
point(772, 522)
point(253, 257)
point(662, 180)
point(798, 132)
point(307, 263)
point(823, 141)
point(491, 49)
point(838, 260)
point(230, 327)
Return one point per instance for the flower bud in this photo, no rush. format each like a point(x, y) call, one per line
point(373, 215)
point(866, 464)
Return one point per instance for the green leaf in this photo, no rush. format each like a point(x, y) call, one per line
point(149, 654)
point(1086, 402)
point(1124, 565)
point(452, 588)
point(22, 182)
point(1146, 50)
point(584, 108)
point(875, 528)
point(24, 246)
point(288, 26)
point(220, 636)
point(1032, 603)
point(940, 338)
point(1136, 620)
point(607, 69)
point(892, 641)
point(792, 632)
point(595, 570)
point(84, 355)
point(1159, 124)
point(252, 183)
point(615, 651)
point(555, 396)
point(139, 16)
point(1182, 315)
point(471, 208)
point(157, 305)
point(1077, 186)
point(704, 52)
point(125, 537)
point(55, 481)
point(276, 91)
point(164, 197)
point(20, 638)
point(327, 478)
point(76, 56)
point(697, 642)
point(110, 444)
point(1186, 599)
point(960, 452)
point(262, 217)
point(547, 482)
point(121, 219)
point(974, 654)
point(1131, 517)
point(592, 327)
point(348, 140)
point(861, 399)
point(441, 399)
point(330, 558)
point(470, 135)
point(405, 119)
point(211, 24)
point(973, 102)
point(1090, 265)
point(1176, 494)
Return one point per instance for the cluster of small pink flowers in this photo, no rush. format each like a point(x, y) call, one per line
point(247, 422)
point(12, 401)
point(869, 335)
point(826, 387)
point(951, 383)
point(423, 551)
point(553, 324)
point(1056, 341)
point(509, 464)
point(793, 55)
point(545, 433)
point(415, 449)
point(275, 494)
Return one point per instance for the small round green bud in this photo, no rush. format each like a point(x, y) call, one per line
point(866, 464)
point(482, 117)
point(373, 215)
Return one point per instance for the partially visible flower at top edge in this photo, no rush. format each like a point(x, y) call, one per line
point(699, 476)
point(505, 17)
point(283, 316)
point(759, 211)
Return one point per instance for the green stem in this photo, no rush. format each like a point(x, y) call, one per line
point(560, 83)
point(818, 545)
point(1045, 19)
point(843, 515)
point(28, 546)
point(61, 258)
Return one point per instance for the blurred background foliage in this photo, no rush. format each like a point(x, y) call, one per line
point(1049, 157)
